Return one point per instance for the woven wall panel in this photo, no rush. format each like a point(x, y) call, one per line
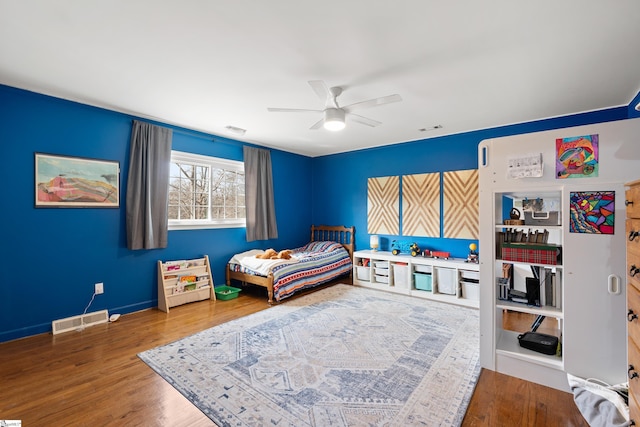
point(421, 205)
point(383, 205)
point(461, 204)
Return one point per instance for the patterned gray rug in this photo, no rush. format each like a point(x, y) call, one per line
point(342, 356)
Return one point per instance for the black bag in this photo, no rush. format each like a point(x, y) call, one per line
point(542, 343)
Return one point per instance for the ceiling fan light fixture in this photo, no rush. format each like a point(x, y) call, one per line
point(334, 119)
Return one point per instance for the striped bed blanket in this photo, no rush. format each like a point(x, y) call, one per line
point(310, 265)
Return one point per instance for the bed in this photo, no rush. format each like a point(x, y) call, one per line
point(327, 256)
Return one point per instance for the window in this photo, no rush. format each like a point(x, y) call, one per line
point(205, 192)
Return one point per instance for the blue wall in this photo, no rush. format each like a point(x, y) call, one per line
point(53, 257)
point(340, 180)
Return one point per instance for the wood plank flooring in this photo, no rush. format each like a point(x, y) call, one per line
point(94, 377)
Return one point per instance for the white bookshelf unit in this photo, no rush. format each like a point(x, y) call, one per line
point(591, 319)
point(510, 357)
point(454, 281)
point(184, 281)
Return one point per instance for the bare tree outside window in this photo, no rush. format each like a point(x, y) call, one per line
point(205, 191)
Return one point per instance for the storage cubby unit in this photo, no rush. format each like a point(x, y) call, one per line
point(184, 281)
point(529, 264)
point(448, 280)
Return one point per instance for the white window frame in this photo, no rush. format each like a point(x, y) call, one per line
point(215, 162)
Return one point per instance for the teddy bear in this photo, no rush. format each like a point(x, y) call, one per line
point(268, 254)
point(272, 254)
point(284, 254)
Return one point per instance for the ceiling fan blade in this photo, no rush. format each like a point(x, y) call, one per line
point(364, 120)
point(321, 89)
point(292, 110)
point(373, 102)
point(317, 125)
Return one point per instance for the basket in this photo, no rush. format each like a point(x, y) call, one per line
point(541, 218)
point(225, 293)
point(534, 253)
point(513, 222)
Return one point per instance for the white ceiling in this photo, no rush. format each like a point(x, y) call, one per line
point(205, 65)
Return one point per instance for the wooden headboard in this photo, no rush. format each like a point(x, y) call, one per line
point(335, 233)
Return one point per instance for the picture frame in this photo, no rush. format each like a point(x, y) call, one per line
point(76, 182)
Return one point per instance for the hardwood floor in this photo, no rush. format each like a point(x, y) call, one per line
point(94, 377)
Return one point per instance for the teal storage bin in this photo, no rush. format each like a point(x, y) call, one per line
point(422, 281)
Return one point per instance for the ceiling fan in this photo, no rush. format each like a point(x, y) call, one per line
point(333, 114)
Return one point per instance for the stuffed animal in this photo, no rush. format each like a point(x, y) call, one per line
point(284, 254)
point(272, 254)
point(268, 254)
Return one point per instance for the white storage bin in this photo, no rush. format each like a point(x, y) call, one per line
point(381, 264)
point(423, 268)
point(471, 291)
point(446, 280)
point(401, 276)
point(382, 271)
point(382, 279)
point(467, 274)
point(363, 273)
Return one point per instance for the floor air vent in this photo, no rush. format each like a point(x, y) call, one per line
point(79, 322)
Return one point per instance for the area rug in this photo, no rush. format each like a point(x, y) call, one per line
point(341, 356)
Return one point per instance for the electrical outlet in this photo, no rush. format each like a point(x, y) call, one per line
point(99, 288)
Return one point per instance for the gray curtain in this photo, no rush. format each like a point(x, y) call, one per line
point(148, 186)
point(261, 211)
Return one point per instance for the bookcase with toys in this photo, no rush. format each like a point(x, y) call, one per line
point(184, 281)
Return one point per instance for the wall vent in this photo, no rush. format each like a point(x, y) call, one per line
point(79, 322)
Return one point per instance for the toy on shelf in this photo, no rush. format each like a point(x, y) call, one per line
point(398, 246)
point(440, 254)
point(473, 253)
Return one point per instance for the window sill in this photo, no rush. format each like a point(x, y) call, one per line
point(207, 225)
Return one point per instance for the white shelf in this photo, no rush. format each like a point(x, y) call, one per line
point(508, 346)
point(530, 309)
point(446, 274)
point(531, 227)
point(507, 355)
point(532, 264)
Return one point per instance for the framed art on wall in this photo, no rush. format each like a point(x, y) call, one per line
point(76, 182)
point(592, 212)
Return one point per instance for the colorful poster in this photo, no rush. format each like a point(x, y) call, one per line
point(577, 157)
point(592, 212)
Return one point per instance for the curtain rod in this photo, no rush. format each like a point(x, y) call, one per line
point(193, 133)
point(198, 134)
point(174, 129)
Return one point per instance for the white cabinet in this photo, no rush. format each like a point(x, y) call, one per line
point(533, 270)
point(449, 280)
point(590, 319)
point(184, 281)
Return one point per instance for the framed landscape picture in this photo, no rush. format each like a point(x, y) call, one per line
point(76, 182)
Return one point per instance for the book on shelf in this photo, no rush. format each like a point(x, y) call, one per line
point(550, 288)
point(557, 285)
point(175, 265)
point(503, 288)
point(533, 290)
point(511, 235)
